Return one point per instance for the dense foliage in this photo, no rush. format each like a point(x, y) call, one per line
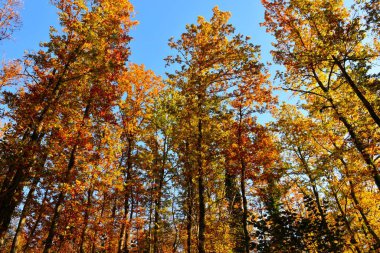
point(98, 154)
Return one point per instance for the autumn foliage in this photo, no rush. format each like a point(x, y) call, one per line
point(99, 154)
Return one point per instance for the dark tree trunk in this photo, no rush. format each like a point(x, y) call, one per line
point(358, 93)
point(314, 189)
point(160, 183)
point(233, 196)
point(85, 221)
point(245, 209)
point(347, 223)
point(61, 196)
point(359, 145)
point(123, 241)
point(93, 246)
point(189, 214)
point(15, 244)
point(243, 168)
point(11, 194)
point(201, 192)
point(34, 228)
point(189, 197)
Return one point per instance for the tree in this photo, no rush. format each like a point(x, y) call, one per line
point(98, 154)
point(85, 59)
point(319, 161)
point(139, 87)
point(9, 18)
point(323, 50)
point(243, 159)
point(213, 61)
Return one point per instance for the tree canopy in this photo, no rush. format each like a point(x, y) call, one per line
point(100, 154)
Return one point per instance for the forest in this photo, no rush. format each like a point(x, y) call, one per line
point(100, 154)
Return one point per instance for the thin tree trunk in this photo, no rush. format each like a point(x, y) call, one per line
point(126, 239)
point(242, 184)
point(93, 246)
point(356, 202)
point(245, 208)
point(175, 227)
point(16, 239)
point(34, 228)
point(137, 228)
point(122, 245)
point(346, 222)
point(201, 192)
point(87, 213)
point(122, 229)
point(359, 145)
point(189, 197)
point(150, 219)
point(15, 243)
point(61, 196)
point(314, 189)
point(364, 216)
point(355, 88)
point(123, 240)
point(11, 195)
point(85, 221)
point(157, 209)
point(113, 218)
point(58, 207)
point(189, 214)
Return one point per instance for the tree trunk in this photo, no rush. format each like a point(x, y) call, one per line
point(189, 215)
point(245, 208)
point(359, 145)
point(11, 195)
point(157, 210)
point(123, 240)
point(201, 192)
point(234, 199)
point(16, 239)
point(113, 219)
point(189, 197)
point(93, 246)
point(85, 221)
point(175, 242)
point(364, 217)
point(314, 189)
point(357, 204)
point(242, 183)
point(61, 197)
point(360, 95)
point(34, 228)
point(58, 207)
point(9, 199)
point(150, 220)
point(346, 222)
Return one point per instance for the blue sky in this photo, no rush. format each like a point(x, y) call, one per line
point(158, 21)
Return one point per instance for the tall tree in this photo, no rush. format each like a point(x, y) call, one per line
point(139, 88)
point(214, 61)
point(326, 58)
point(92, 46)
point(252, 96)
